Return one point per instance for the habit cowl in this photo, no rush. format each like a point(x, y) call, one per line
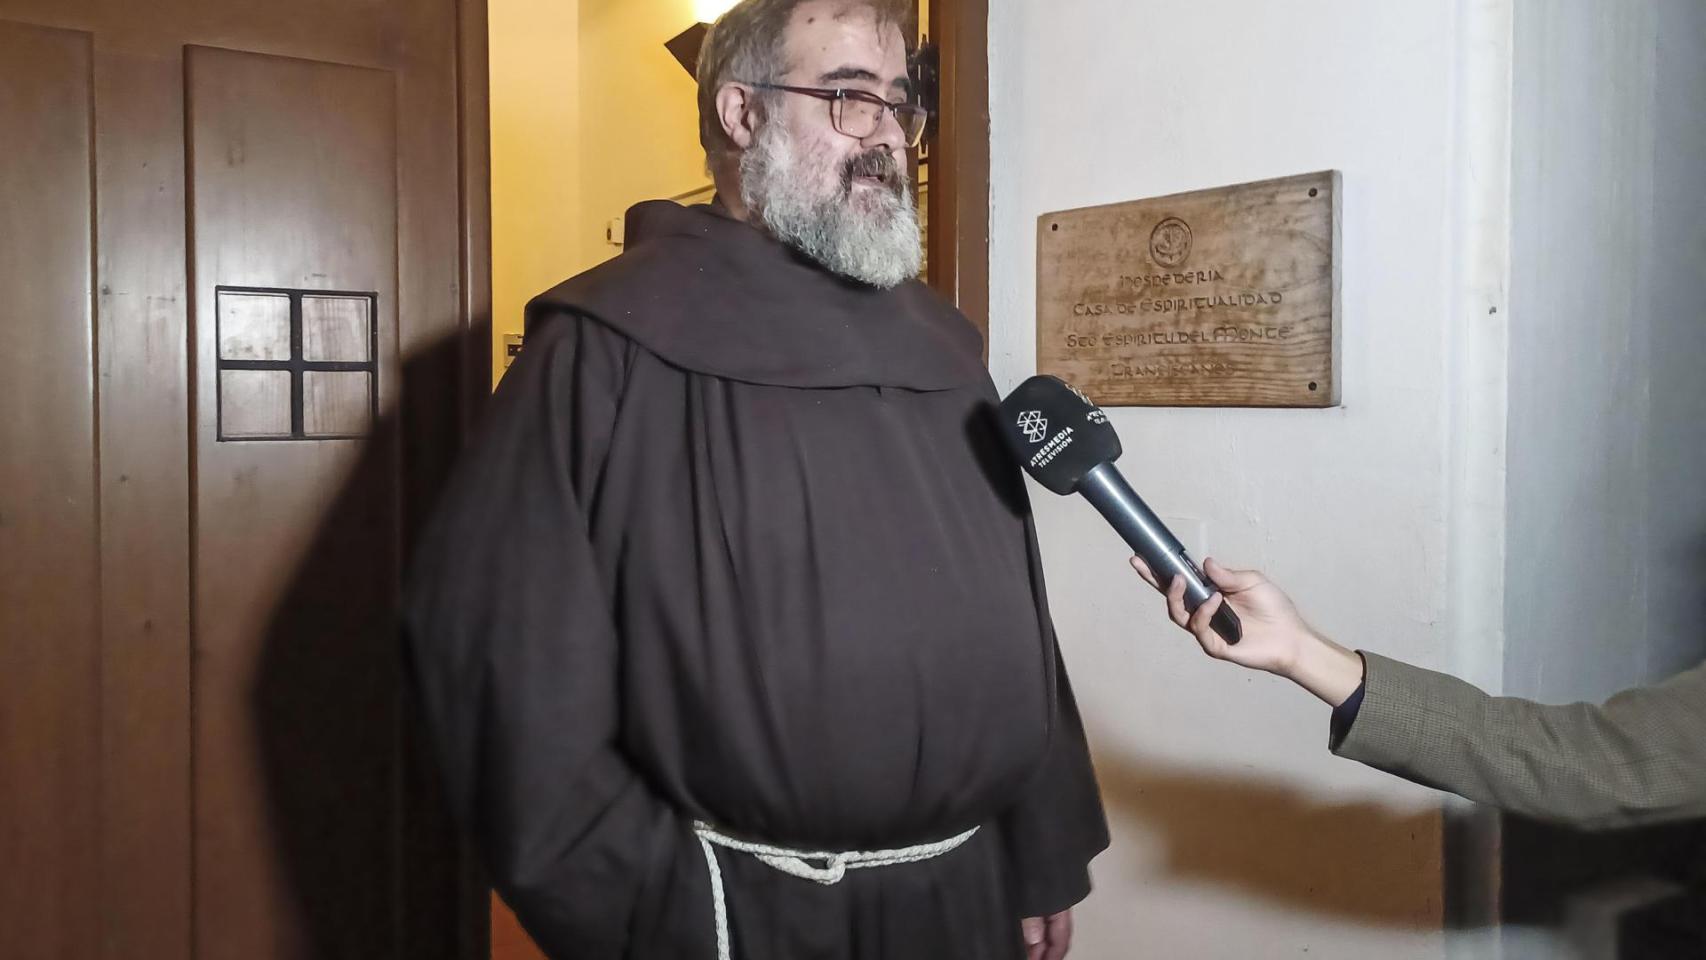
point(739, 544)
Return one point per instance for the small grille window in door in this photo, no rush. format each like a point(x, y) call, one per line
point(296, 364)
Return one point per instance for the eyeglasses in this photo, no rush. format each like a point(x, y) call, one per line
point(858, 114)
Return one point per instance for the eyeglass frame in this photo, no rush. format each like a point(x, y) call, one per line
point(842, 94)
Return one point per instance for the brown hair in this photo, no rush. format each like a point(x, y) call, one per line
point(746, 43)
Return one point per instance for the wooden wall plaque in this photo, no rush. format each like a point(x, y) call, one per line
point(1216, 298)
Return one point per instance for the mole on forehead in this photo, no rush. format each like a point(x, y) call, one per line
point(841, 14)
point(845, 10)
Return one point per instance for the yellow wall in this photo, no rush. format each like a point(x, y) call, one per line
point(536, 177)
point(590, 115)
point(639, 112)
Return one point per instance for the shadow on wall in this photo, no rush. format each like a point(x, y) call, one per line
point(1696, 561)
point(371, 862)
point(1621, 895)
point(1627, 894)
point(1357, 861)
point(1684, 571)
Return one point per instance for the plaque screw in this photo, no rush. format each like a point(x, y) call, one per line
point(1312, 385)
point(1054, 226)
point(1312, 191)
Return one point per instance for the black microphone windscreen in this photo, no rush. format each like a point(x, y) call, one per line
point(1057, 434)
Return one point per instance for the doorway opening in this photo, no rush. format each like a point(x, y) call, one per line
point(594, 109)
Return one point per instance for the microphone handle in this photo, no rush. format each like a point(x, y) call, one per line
point(1149, 538)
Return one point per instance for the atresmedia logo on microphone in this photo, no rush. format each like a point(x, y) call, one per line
point(1048, 451)
point(1034, 424)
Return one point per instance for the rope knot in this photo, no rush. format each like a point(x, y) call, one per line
point(833, 871)
point(795, 863)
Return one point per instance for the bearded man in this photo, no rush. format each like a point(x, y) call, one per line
point(731, 630)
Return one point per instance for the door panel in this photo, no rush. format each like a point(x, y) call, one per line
point(143, 358)
point(49, 511)
point(292, 172)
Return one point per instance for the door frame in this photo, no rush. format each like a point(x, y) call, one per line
point(958, 231)
point(473, 135)
point(474, 117)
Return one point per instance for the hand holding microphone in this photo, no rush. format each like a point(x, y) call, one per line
point(1066, 444)
point(1275, 637)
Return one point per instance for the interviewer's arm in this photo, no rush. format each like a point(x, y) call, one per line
point(1638, 758)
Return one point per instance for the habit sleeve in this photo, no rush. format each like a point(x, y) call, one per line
point(514, 651)
point(1057, 825)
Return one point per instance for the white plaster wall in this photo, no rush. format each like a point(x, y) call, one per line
point(1606, 569)
point(1608, 407)
point(1676, 482)
point(1607, 574)
point(1236, 833)
point(1581, 311)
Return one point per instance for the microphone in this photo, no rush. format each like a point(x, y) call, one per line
point(1066, 444)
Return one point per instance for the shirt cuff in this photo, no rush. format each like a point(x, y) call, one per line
point(1345, 714)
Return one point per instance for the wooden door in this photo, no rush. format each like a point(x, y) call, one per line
point(243, 287)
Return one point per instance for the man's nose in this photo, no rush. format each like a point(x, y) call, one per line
point(888, 135)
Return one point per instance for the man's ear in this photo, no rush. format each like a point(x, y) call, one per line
point(737, 109)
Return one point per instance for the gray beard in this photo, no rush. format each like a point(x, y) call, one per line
point(874, 241)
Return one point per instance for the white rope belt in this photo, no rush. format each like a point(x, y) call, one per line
point(795, 863)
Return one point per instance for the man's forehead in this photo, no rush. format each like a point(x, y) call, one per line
point(835, 41)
